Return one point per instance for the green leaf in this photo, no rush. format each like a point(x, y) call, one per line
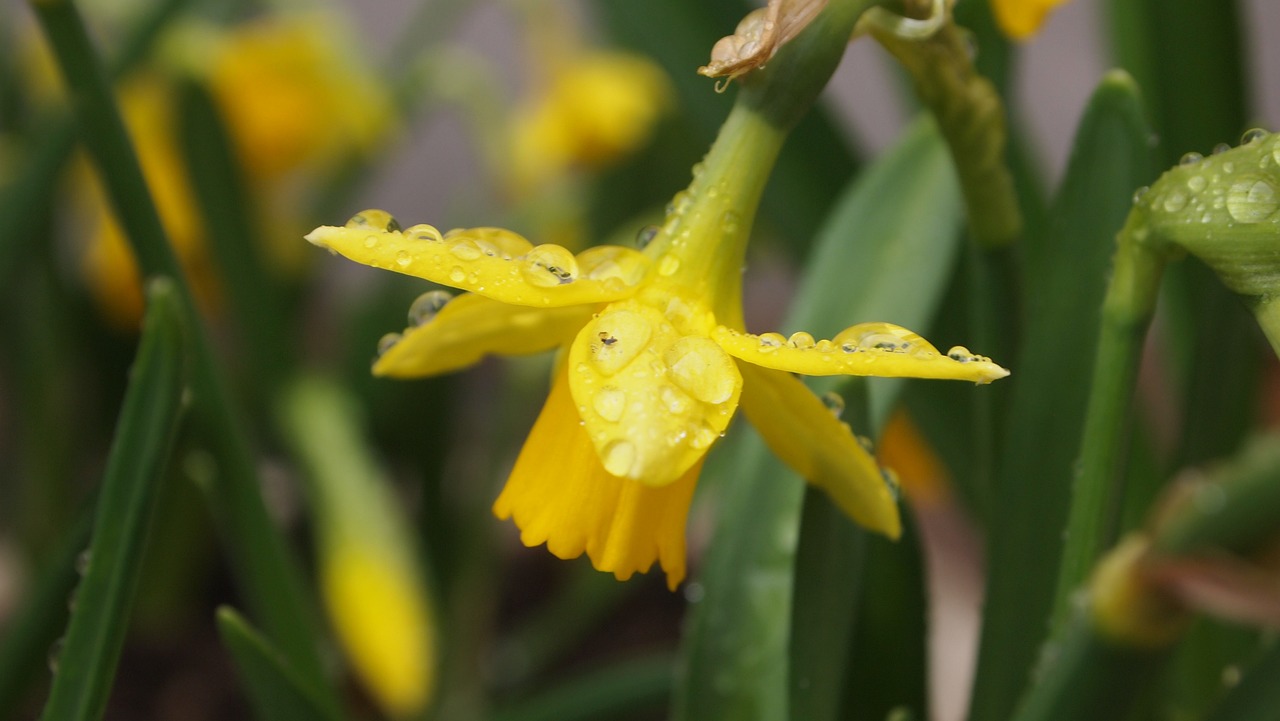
point(1257, 698)
point(898, 227)
point(276, 690)
point(1067, 270)
point(267, 572)
point(618, 691)
point(148, 423)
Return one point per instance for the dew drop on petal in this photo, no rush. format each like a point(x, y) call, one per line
point(702, 369)
point(668, 265)
point(1252, 200)
point(425, 307)
point(373, 219)
point(547, 266)
point(403, 259)
point(387, 341)
point(619, 336)
point(465, 249)
point(619, 457)
point(370, 241)
point(801, 339)
point(834, 403)
point(769, 342)
point(676, 402)
point(457, 274)
point(422, 231)
point(610, 402)
point(1190, 158)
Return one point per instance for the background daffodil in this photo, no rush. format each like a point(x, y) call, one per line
point(654, 364)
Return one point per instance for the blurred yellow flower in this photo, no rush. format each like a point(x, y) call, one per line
point(598, 107)
point(654, 363)
point(1020, 19)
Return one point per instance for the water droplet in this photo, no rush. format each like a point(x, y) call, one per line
point(883, 337)
point(370, 241)
point(834, 403)
point(1231, 676)
point(547, 266)
point(387, 341)
point(731, 222)
point(769, 342)
point(668, 265)
point(403, 259)
point(1252, 135)
point(891, 480)
point(676, 403)
point(83, 560)
point(373, 220)
point(610, 402)
point(1139, 193)
point(702, 369)
point(619, 457)
point(694, 592)
point(802, 340)
point(1228, 167)
point(457, 274)
point(620, 335)
point(646, 236)
point(465, 249)
point(1221, 148)
point(702, 437)
point(55, 651)
point(425, 307)
point(422, 231)
point(1252, 200)
point(1190, 158)
point(1175, 200)
point(960, 353)
point(1196, 183)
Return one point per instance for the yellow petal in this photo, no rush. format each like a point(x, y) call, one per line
point(491, 262)
point(466, 329)
point(559, 494)
point(803, 432)
point(652, 399)
point(1020, 19)
point(381, 615)
point(867, 349)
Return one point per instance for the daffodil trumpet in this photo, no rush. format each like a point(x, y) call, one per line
point(656, 362)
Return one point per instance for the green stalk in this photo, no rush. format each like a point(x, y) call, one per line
point(618, 691)
point(149, 420)
point(37, 178)
point(270, 577)
point(1126, 315)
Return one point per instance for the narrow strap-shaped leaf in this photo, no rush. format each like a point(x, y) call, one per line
point(898, 226)
point(269, 575)
point(613, 692)
point(1067, 273)
point(275, 689)
point(85, 667)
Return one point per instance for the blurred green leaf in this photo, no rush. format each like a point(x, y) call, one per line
point(85, 667)
point(628, 687)
point(267, 572)
point(275, 689)
point(1257, 697)
point(1066, 273)
point(898, 226)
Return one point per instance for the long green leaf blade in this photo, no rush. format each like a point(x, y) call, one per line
point(1067, 269)
point(275, 689)
point(148, 423)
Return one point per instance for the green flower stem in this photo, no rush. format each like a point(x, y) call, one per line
point(149, 421)
point(1126, 315)
point(270, 577)
point(36, 179)
point(1267, 313)
point(971, 116)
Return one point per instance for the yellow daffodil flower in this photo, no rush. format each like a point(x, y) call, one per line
point(1020, 19)
point(654, 364)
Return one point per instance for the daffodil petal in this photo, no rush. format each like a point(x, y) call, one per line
point(559, 494)
point(866, 349)
point(491, 262)
point(801, 431)
point(651, 398)
point(467, 328)
point(1020, 19)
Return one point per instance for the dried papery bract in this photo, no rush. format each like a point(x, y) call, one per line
point(759, 36)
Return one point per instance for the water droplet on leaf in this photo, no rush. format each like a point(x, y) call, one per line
point(425, 307)
point(1252, 200)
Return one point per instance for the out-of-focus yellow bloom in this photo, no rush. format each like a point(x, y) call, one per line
point(921, 473)
point(379, 612)
point(598, 107)
point(109, 264)
point(654, 362)
point(1020, 19)
point(290, 101)
point(291, 97)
